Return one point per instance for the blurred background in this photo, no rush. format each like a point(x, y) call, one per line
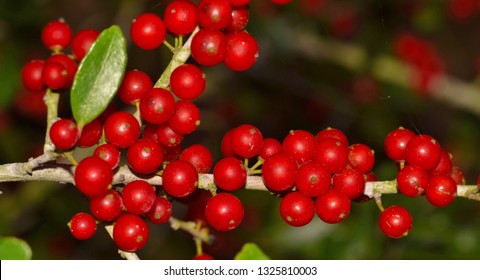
point(365, 67)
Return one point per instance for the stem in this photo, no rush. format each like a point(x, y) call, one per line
point(193, 228)
point(51, 100)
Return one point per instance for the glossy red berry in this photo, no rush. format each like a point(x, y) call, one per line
point(187, 81)
point(106, 207)
point(396, 142)
point(134, 85)
point(145, 156)
point(412, 180)
point(157, 106)
point(93, 176)
point(350, 182)
point(457, 175)
point(167, 137)
point(214, 14)
point(199, 156)
point(299, 145)
point(230, 174)
point(148, 31)
point(56, 35)
point(138, 197)
point(247, 141)
point(32, 75)
point(203, 256)
point(331, 133)
point(424, 151)
point(209, 47)
point(64, 134)
point(332, 207)
point(270, 147)
point(279, 173)
point(332, 154)
point(226, 145)
point(241, 51)
point(69, 64)
point(313, 179)
point(109, 153)
point(224, 212)
point(180, 178)
point(121, 129)
point(240, 17)
point(441, 190)
point(444, 165)
point(55, 75)
point(186, 117)
point(161, 211)
point(361, 157)
point(82, 41)
point(91, 134)
point(180, 17)
point(297, 209)
point(130, 233)
point(82, 226)
point(395, 221)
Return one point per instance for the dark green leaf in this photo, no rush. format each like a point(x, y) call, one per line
point(12, 248)
point(99, 76)
point(251, 251)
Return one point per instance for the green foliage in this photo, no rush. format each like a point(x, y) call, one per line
point(12, 248)
point(99, 76)
point(251, 251)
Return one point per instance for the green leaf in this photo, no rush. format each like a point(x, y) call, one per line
point(99, 76)
point(251, 251)
point(12, 248)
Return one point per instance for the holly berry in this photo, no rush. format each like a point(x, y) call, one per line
point(107, 207)
point(91, 134)
point(32, 75)
point(241, 51)
point(209, 47)
point(444, 165)
point(167, 137)
point(396, 142)
point(203, 256)
point(350, 182)
point(56, 35)
point(180, 17)
point(157, 106)
point(361, 157)
point(270, 147)
point(68, 63)
point(64, 134)
point(130, 233)
point(247, 141)
point(82, 41)
point(299, 145)
point(121, 129)
point(395, 221)
point(441, 190)
point(313, 179)
point(332, 207)
point(226, 145)
point(199, 156)
point(138, 197)
point(229, 174)
point(187, 81)
point(297, 209)
point(214, 14)
point(332, 154)
point(161, 211)
point(148, 31)
point(145, 156)
point(424, 151)
point(224, 212)
point(331, 133)
point(279, 173)
point(412, 180)
point(93, 176)
point(134, 85)
point(109, 153)
point(240, 17)
point(54, 75)
point(186, 118)
point(82, 226)
point(180, 178)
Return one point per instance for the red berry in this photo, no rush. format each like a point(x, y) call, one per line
point(82, 41)
point(199, 156)
point(56, 35)
point(161, 211)
point(332, 207)
point(396, 143)
point(180, 17)
point(424, 151)
point(412, 180)
point(91, 134)
point(121, 129)
point(69, 64)
point(148, 31)
point(240, 17)
point(224, 212)
point(332, 154)
point(180, 178)
point(441, 190)
point(241, 52)
point(457, 175)
point(270, 147)
point(395, 221)
point(82, 226)
point(171, 153)
point(134, 85)
point(297, 209)
point(279, 173)
point(214, 14)
point(444, 165)
point(281, 2)
point(350, 182)
point(167, 137)
point(93, 176)
point(209, 47)
point(331, 133)
point(138, 197)
point(130, 233)
point(109, 153)
point(64, 134)
point(106, 207)
point(229, 174)
point(186, 118)
point(55, 75)
point(247, 141)
point(226, 145)
point(313, 179)
point(145, 156)
point(187, 81)
point(157, 106)
point(32, 75)
point(203, 256)
point(299, 145)
point(361, 157)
